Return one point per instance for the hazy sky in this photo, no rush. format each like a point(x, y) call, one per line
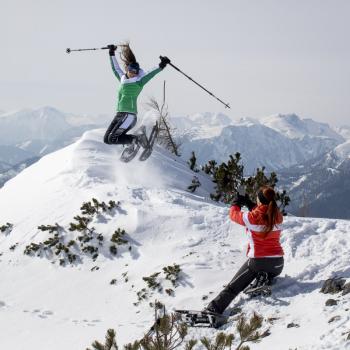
point(262, 56)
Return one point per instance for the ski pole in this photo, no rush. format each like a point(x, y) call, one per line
point(210, 93)
point(93, 49)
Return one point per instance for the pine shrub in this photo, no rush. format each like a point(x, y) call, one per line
point(221, 342)
point(113, 250)
point(194, 184)
point(87, 240)
point(229, 177)
point(110, 342)
point(152, 282)
point(6, 229)
point(172, 273)
point(192, 162)
point(117, 237)
point(249, 330)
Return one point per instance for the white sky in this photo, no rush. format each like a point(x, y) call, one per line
point(261, 56)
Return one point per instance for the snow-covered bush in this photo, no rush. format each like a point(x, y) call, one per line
point(6, 229)
point(69, 250)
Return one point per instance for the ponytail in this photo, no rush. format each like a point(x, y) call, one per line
point(272, 213)
point(127, 56)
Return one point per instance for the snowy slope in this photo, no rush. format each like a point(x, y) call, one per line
point(45, 306)
point(8, 171)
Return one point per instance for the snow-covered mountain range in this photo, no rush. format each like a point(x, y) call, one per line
point(321, 188)
point(47, 306)
point(276, 142)
point(29, 134)
point(284, 143)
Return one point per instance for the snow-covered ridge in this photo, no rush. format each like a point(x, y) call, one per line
point(294, 127)
point(290, 125)
point(166, 225)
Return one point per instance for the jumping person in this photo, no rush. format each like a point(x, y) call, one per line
point(265, 254)
point(131, 84)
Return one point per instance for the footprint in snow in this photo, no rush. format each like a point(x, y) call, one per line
point(2, 304)
point(41, 314)
point(197, 220)
point(178, 201)
point(90, 323)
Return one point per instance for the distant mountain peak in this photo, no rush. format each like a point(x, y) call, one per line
point(295, 127)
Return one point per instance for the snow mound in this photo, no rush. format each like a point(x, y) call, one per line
point(166, 224)
point(74, 173)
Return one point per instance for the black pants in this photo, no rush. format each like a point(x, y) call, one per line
point(121, 124)
point(245, 275)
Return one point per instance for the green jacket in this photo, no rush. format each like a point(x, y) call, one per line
point(130, 88)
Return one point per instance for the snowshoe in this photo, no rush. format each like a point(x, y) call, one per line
point(195, 318)
point(258, 291)
point(130, 152)
point(151, 140)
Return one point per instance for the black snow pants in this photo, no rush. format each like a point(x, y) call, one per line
point(245, 275)
point(121, 124)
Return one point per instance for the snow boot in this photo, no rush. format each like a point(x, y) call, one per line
point(142, 140)
point(260, 286)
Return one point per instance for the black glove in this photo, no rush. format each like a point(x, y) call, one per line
point(249, 203)
point(112, 49)
point(238, 200)
point(163, 62)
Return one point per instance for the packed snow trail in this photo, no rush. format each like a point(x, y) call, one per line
point(44, 305)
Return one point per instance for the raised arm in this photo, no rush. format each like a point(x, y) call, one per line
point(114, 63)
point(149, 75)
point(236, 214)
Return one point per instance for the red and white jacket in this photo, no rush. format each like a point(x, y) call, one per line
point(259, 246)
